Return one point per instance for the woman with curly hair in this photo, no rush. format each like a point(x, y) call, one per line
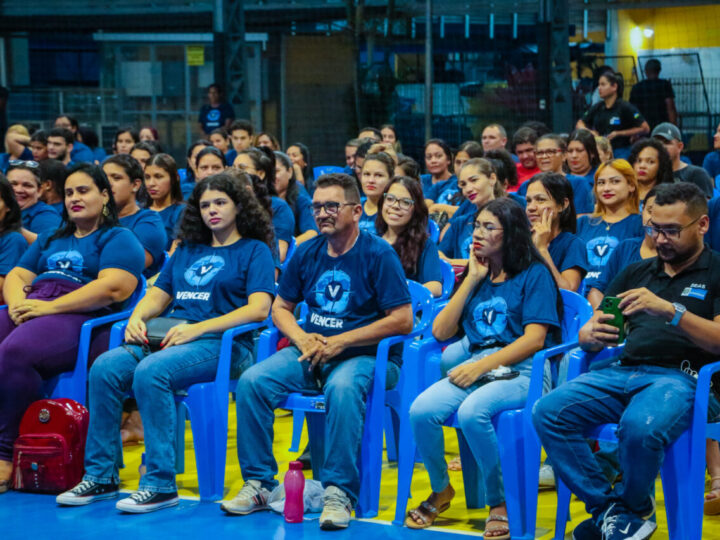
point(216, 279)
point(402, 221)
point(652, 165)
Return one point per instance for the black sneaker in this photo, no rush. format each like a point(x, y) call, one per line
point(144, 501)
point(87, 492)
point(587, 530)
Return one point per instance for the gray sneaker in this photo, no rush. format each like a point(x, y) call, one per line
point(336, 509)
point(547, 477)
point(252, 498)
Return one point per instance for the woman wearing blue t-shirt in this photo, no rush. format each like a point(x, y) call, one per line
point(87, 268)
point(402, 220)
point(216, 279)
point(508, 307)
point(616, 216)
point(126, 179)
point(37, 217)
point(188, 174)
point(479, 184)
point(583, 158)
point(12, 243)
point(440, 183)
point(551, 212)
point(162, 184)
point(261, 163)
point(295, 195)
point(377, 171)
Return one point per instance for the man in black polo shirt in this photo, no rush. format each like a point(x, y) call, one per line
point(671, 304)
point(654, 97)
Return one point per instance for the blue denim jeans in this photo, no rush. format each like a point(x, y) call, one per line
point(345, 384)
point(652, 406)
point(153, 378)
point(476, 406)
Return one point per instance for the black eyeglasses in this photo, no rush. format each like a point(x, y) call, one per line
point(671, 233)
point(405, 203)
point(332, 208)
point(548, 152)
point(24, 163)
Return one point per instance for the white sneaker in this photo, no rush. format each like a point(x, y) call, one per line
point(87, 492)
point(336, 509)
point(144, 501)
point(547, 477)
point(252, 497)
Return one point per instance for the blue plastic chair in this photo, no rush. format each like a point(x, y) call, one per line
point(73, 384)
point(292, 246)
point(206, 404)
point(326, 169)
point(683, 471)
point(448, 280)
point(433, 231)
point(518, 443)
point(370, 460)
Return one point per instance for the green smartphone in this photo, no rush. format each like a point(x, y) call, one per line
point(610, 305)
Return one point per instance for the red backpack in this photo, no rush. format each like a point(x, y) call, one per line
point(49, 452)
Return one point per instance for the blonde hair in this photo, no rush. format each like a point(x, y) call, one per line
point(626, 170)
point(19, 129)
point(604, 146)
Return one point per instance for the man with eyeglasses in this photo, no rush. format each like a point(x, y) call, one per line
point(671, 305)
point(354, 286)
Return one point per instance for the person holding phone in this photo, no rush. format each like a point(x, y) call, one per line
point(672, 306)
point(508, 307)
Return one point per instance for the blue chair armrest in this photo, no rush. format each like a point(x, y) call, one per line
point(222, 375)
point(580, 360)
point(117, 334)
point(538, 369)
point(702, 395)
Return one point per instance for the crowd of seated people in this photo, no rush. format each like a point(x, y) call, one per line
point(243, 232)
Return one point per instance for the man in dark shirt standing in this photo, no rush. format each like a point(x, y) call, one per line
point(217, 113)
point(654, 97)
point(672, 306)
point(670, 136)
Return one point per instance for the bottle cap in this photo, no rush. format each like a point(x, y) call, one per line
point(296, 466)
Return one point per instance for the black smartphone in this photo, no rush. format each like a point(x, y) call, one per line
point(611, 306)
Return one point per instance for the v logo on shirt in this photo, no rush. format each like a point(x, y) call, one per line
point(334, 290)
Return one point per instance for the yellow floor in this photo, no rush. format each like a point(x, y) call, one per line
point(457, 517)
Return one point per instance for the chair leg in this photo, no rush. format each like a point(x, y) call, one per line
point(472, 477)
point(298, 424)
point(407, 451)
point(370, 465)
point(391, 434)
point(683, 489)
point(562, 515)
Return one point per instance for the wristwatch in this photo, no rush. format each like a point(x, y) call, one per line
point(679, 312)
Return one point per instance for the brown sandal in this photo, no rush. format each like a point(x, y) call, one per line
point(711, 506)
point(505, 529)
point(427, 513)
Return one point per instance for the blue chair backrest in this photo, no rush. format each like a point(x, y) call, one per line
point(448, 279)
point(290, 252)
point(433, 231)
point(326, 169)
point(137, 294)
point(422, 305)
point(576, 312)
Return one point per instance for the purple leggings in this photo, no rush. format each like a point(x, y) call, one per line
point(31, 353)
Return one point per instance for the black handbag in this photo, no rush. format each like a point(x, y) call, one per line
point(158, 327)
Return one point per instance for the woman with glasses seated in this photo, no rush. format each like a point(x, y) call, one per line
point(87, 268)
point(218, 278)
point(402, 220)
point(507, 307)
point(37, 217)
point(616, 216)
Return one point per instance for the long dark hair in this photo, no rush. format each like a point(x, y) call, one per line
point(13, 218)
point(210, 150)
point(504, 166)
point(167, 164)
point(109, 216)
point(446, 150)
point(189, 174)
point(410, 244)
point(134, 171)
point(263, 159)
point(587, 139)
point(126, 129)
point(307, 170)
point(665, 173)
point(293, 191)
point(251, 221)
point(559, 188)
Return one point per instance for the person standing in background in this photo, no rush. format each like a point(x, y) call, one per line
point(654, 97)
point(218, 113)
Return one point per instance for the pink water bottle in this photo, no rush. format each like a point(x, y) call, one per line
point(294, 487)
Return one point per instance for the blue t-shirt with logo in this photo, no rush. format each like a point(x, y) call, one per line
point(170, 218)
point(712, 237)
point(602, 238)
point(627, 252)
point(283, 220)
point(80, 260)
point(568, 251)
point(367, 222)
point(346, 292)
point(496, 314)
point(458, 238)
point(149, 229)
point(428, 265)
point(12, 248)
point(215, 117)
point(304, 220)
point(40, 218)
point(206, 282)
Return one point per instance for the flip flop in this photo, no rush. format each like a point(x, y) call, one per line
point(427, 513)
point(505, 529)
